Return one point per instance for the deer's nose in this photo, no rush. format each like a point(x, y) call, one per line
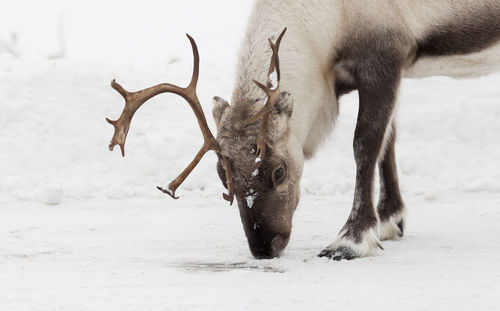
point(268, 248)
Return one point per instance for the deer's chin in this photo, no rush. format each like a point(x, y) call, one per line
point(267, 249)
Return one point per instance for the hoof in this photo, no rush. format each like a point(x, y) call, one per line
point(347, 248)
point(341, 253)
point(392, 228)
point(401, 229)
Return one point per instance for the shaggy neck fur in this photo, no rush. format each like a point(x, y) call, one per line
point(304, 58)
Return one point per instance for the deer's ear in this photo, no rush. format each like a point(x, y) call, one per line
point(220, 108)
point(284, 105)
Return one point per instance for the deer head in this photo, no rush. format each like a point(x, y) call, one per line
point(258, 160)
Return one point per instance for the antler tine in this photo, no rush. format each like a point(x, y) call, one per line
point(134, 100)
point(272, 91)
point(274, 67)
point(229, 178)
point(196, 66)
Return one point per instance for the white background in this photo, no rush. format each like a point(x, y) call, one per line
point(124, 31)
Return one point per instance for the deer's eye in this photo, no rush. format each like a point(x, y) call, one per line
point(278, 173)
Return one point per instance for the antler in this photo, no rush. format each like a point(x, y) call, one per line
point(272, 90)
point(134, 100)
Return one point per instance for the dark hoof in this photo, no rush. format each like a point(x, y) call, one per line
point(341, 253)
point(401, 230)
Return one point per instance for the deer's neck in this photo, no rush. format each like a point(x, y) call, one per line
point(306, 54)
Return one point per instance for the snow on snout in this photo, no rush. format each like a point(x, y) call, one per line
point(250, 198)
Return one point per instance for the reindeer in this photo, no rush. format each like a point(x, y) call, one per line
point(332, 48)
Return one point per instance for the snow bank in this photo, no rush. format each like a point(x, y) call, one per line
point(54, 138)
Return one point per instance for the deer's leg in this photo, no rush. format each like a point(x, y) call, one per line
point(390, 208)
point(377, 88)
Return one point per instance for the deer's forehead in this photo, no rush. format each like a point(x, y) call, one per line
point(238, 148)
point(234, 133)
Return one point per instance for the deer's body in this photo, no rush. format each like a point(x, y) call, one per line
point(319, 29)
point(331, 47)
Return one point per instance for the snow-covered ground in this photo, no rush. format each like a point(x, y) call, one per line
point(83, 229)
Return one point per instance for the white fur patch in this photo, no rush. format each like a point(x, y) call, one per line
point(368, 246)
point(457, 66)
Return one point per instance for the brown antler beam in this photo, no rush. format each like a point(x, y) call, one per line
point(134, 100)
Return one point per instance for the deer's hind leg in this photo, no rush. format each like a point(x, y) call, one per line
point(390, 208)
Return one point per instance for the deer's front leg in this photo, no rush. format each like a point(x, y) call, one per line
point(359, 236)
